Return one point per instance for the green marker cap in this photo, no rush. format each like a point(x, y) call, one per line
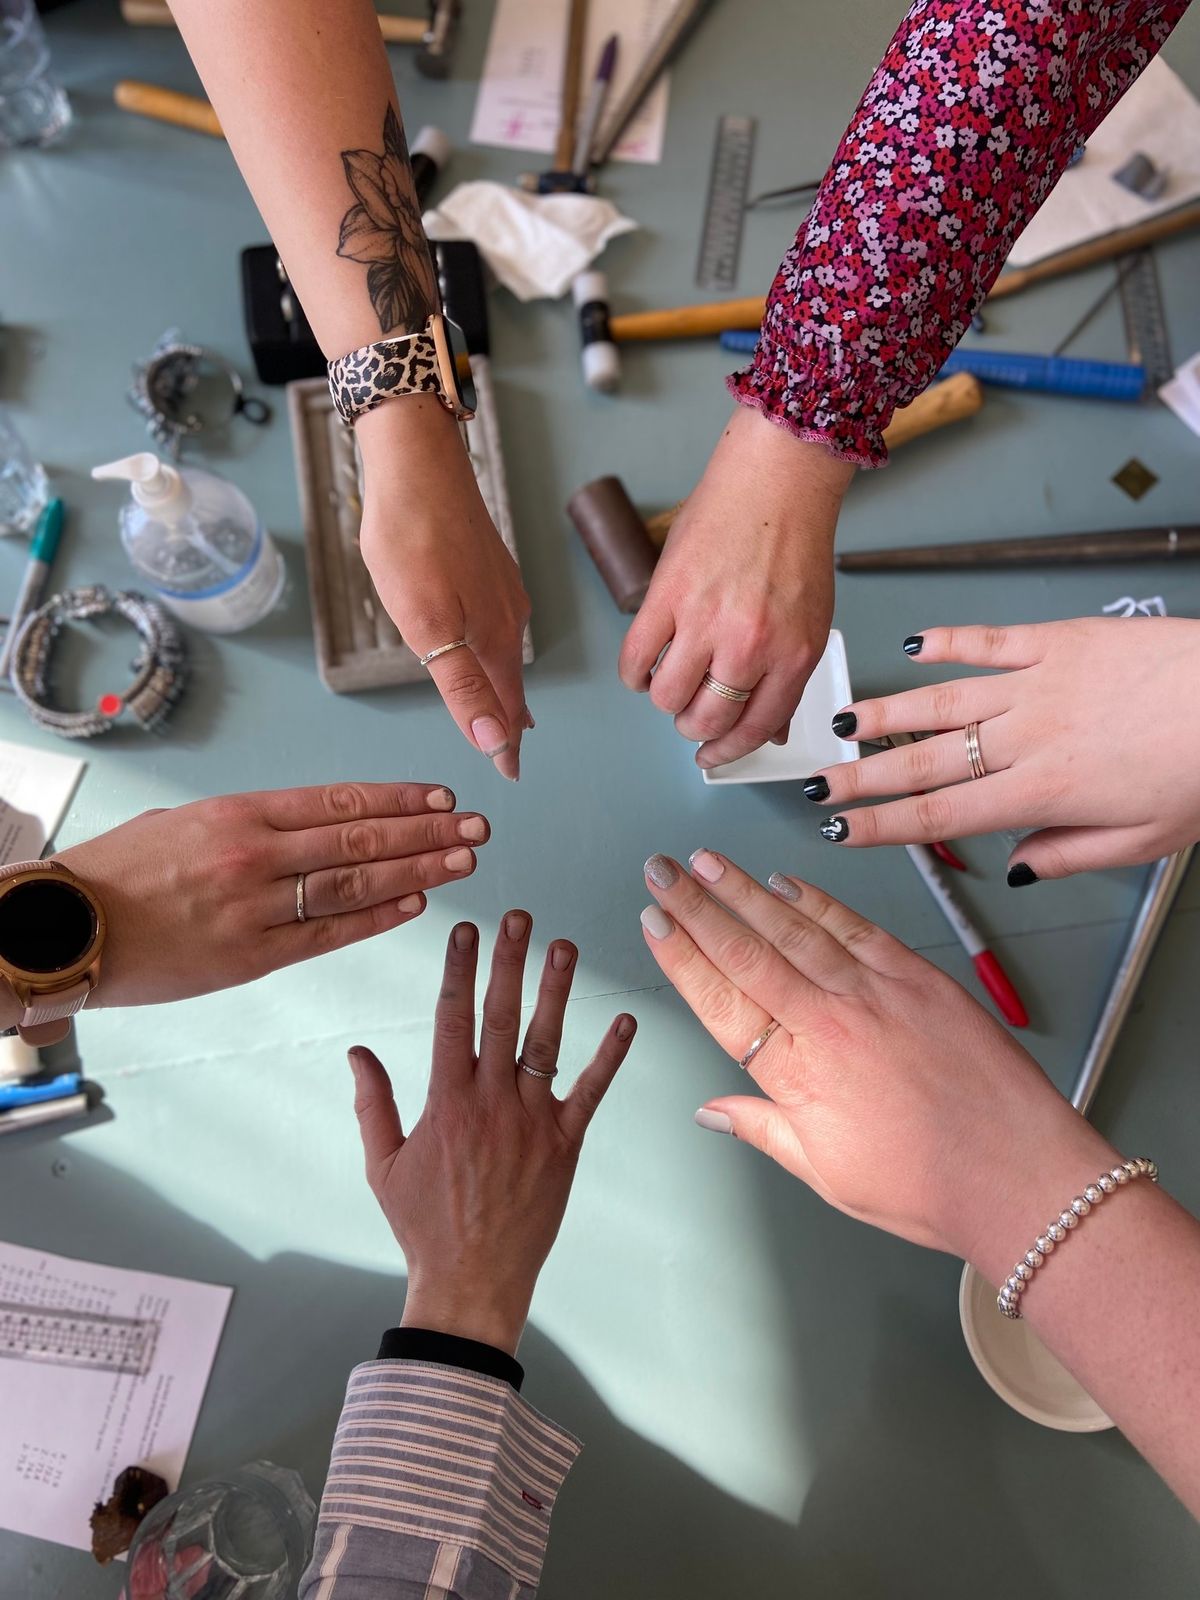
point(48, 532)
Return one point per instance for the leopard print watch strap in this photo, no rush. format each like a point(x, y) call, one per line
point(377, 372)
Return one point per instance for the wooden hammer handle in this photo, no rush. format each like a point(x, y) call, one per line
point(157, 14)
point(167, 105)
point(949, 401)
point(572, 76)
point(689, 322)
point(1096, 250)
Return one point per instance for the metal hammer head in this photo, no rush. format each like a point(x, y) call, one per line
point(433, 56)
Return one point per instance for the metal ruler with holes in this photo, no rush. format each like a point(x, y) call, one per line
point(724, 210)
point(60, 1338)
point(1145, 320)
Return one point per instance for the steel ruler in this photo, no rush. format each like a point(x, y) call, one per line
point(1145, 320)
point(58, 1337)
point(724, 210)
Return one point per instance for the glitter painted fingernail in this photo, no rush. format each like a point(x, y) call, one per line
point(783, 887)
point(660, 872)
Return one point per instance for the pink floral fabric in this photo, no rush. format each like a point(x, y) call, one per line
point(973, 114)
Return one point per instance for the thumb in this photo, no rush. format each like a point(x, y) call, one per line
point(374, 1106)
point(762, 1124)
point(1058, 852)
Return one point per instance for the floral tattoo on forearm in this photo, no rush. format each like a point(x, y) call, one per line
point(383, 231)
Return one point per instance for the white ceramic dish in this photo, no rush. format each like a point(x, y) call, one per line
point(1016, 1364)
point(812, 745)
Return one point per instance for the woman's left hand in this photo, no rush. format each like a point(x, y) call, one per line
point(1091, 736)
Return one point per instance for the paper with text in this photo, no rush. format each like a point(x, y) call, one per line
point(35, 790)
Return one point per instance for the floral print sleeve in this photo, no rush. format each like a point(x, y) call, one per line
point(965, 128)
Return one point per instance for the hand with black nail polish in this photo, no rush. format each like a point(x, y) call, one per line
point(1088, 734)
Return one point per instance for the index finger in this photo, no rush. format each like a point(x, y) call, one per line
point(472, 701)
point(288, 809)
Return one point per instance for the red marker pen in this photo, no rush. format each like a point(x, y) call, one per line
point(991, 974)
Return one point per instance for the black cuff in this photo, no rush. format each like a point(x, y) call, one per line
point(423, 1344)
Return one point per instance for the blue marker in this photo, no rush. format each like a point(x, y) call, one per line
point(32, 1094)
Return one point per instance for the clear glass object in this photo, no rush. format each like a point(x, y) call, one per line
point(34, 109)
point(243, 1536)
point(23, 486)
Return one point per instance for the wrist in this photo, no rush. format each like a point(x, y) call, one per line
point(772, 450)
point(406, 422)
point(467, 1316)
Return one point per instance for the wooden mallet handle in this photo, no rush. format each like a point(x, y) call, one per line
point(689, 322)
point(167, 105)
point(157, 14)
point(1097, 250)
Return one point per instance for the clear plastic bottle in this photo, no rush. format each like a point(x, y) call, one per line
point(24, 490)
point(243, 1536)
point(199, 543)
point(34, 109)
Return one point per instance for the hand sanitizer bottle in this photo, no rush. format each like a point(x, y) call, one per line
point(199, 543)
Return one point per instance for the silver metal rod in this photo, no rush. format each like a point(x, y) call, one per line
point(1157, 899)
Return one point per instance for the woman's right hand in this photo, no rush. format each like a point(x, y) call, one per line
point(443, 572)
point(891, 1092)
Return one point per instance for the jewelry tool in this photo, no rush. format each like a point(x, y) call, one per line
point(664, 45)
point(601, 358)
point(1145, 318)
point(1009, 1355)
point(567, 175)
point(60, 1337)
point(72, 1105)
point(987, 965)
point(725, 207)
point(183, 389)
point(42, 550)
point(32, 1094)
point(614, 535)
point(1055, 549)
point(788, 193)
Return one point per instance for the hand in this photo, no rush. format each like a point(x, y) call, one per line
point(476, 1192)
point(443, 572)
point(892, 1093)
point(744, 590)
point(203, 896)
point(1092, 737)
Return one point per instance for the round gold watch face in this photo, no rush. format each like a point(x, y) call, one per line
point(51, 928)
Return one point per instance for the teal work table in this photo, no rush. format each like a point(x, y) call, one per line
point(771, 1396)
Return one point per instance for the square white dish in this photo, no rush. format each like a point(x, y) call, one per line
point(812, 745)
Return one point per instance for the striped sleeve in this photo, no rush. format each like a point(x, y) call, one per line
point(440, 1485)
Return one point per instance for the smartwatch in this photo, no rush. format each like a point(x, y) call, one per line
point(433, 361)
point(52, 930)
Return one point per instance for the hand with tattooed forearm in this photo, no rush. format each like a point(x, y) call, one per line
point(305, 97)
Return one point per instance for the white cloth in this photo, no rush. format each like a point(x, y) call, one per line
point(534, 243)
point(1182, 393)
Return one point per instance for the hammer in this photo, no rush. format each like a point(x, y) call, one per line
point(562, 178)
point(434, 37)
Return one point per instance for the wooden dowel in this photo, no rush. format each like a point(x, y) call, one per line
point(167, 105)
point(572, 75)
point(1097, 250)
point(157, 14)
point(689, 322)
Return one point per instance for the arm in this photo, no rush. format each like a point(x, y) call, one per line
point(962, 132)
point(442, 1478)
point(305, 97)
point(869, 1103)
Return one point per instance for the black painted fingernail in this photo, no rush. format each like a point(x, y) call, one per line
point(844, 724)
point(912, 645)
point(1019, 875)
point(835, 830)
point(816, 788)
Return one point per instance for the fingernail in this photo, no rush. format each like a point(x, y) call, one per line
point(356, 1059)
point(779, 738)
point(440, 800)
point(459, 860)
point(561, 957)
point(835, 830)
point(625, 1028)
point(706, 865)
point(844, 724)
point(1020, 875)
point(912, 645)
point(516, 925)
point(713, 1121)
point(490, 735)
point(465, 935)
point(410, 905)
point(474, 828)
point(529, 722)
point(783, 887)
point(661, 872)
point(657, 923)
point(817, 788)
point(706, 763)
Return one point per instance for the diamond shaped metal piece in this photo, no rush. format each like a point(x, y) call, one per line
point(1135, 478)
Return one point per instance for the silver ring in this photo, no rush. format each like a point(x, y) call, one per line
point(301, 915)
point(757, 1045)
point(533, 1071)
point(974, 755)
point(442, 650)
point(725, 690)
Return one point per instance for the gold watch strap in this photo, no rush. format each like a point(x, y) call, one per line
point(64, 1002)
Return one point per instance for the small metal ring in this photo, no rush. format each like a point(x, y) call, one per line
point(301, 914)
point(757, 1045)
point(533, 1071)
point(726, 690)
point(442, 650)
point(974, 754)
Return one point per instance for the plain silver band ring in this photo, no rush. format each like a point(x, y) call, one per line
point(533, 1071)
point(974, 754)
point(725, 690)
point(301, 914)
point(757, 1045)
point(442, 650)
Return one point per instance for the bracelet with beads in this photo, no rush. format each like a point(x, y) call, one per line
point(1009, 1298)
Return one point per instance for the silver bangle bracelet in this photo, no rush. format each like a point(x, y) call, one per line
point(1009, 1298)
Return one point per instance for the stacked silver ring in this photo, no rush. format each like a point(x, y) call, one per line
point(1008, 1300)
point(974, 754)
point(726, 690)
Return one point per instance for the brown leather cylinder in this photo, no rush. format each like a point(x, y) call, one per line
point(615, 537)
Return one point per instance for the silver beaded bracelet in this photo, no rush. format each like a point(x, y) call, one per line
point(1009, 1298)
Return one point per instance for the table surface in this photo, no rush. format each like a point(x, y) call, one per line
point(764, 1387)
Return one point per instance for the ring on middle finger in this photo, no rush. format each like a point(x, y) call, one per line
point(534, 1071)
point(726, 690)
point(974, 754)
